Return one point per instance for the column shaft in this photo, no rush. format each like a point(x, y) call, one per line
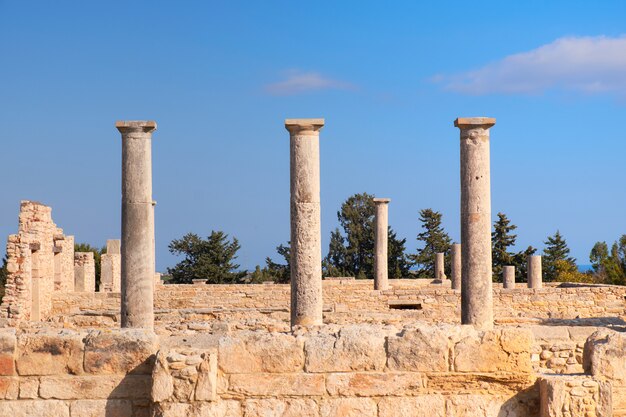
point(456, 266)
point(306, 246)
point(476, 286)
point(440, 272)
point(508, 277)
point(137, 247)
point(535, 273)
point(381, 251)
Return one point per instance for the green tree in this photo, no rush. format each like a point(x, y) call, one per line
point(281, 273)
point(397, 262)
point(434, 240)
point(211, 259)
point(520, 261)
point(352, 253)
point(3, 277)
point(501, 240)
point(556, 250)
point(609, 266)
point(97, 256)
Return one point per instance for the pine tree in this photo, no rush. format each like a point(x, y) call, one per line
point(434, 239)
point(210, 259)
point(501, 240)
point(351, 253)
point(397, 262)
point(281, 273)
point(556, 250)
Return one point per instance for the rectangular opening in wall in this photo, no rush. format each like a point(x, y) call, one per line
point(405, 306)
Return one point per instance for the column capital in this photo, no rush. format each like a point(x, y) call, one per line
point(304, 126)
point(146, 126)
point(381, 200)
point(474, 122)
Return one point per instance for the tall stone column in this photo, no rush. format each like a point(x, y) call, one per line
point(535, 273)
point(508, 277)
point(137, 269)
point(306, 246)
point(381, 252)
point(456, 266)
point(440, 261)
point(476, 287)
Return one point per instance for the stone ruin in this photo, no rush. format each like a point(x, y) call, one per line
point(340, 347)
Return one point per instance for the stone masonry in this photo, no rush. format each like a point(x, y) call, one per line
point(84, 272)
point(381, 236)
point(110, 275)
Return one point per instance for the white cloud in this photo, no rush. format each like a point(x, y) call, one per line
point(297, 82)
point(581, 64)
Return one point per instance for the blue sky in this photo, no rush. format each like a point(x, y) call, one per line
point(389, 78)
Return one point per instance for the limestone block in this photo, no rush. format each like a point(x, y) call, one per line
point(99, 408)
point(298, 385)
point(349, 407)
point(476, 406)
point(31, 408)
point(283, 407)
point(187, 376)
point(120, 351)
point(7, 351)
point(506, 350)
point(114, 246)
point(423, 349)
point(84, 272)
point(247, 352)
point(371, 384)
point(52, 353)
point(29, 388)
point(9, 388)
point(574, 396)
point(354, 348)
point(95, 387)
point(604, 356)
point(423, 405)
point(225, 408)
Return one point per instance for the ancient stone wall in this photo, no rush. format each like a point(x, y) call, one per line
point(84, 272)
point(428, 302)
point(364, 370)
point(111, 267)
point(38, 262)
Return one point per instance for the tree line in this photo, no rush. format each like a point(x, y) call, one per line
point(351, 253)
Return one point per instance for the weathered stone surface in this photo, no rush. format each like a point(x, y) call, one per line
point(29, 388)
point(423, 405)
point(9, 387)
point(95, 387)
point(373, 384)
point(506, 350)
point(52, 353)
point(422, 349)
point(249, 352)
point(381, 236)
point(206, 387)
point(574, 396)
point(354, 348)
point(306, 243)
point(278, 384)
point(137, 243)
point(283, 407)
point(100, 408)
point(476, 294)
point(8, 342)
point(31, 408)
point(120, 351)
point(224, 408)
point(605, 356)
point(349, 407)
point(456, 266)
point(162, 380)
